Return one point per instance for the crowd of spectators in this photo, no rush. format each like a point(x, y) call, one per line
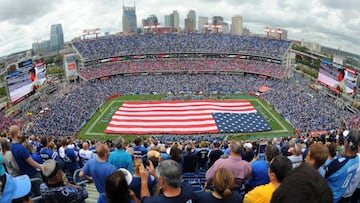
point(292, 98)
point(194, 65)
point(237, 173)
point(114, 46)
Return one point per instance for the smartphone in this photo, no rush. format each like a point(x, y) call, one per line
point(261, 151)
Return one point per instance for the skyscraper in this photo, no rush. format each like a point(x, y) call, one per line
point(236, 25)
point(129, 19)
point(56, 37)
point(202, 22)
point(168, 21)
point(192, 16)
point(218, 20)
point(175, 18)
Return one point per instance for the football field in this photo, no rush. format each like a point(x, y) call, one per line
point(96, 126)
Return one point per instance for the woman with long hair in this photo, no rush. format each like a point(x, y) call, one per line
point(223, 183)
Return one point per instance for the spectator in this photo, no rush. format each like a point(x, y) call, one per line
point(15, 189)
point(71, 160)
point(154, 157)
point(202, 155)
point(164, 155)
point(278, 168)
point(215, 153)
point(85, 154)
point(169, 176)
point(99, 169)
point(188, 160)
point(259, 168)
point(316, 155)
point(54, 190)
point(139, 150)
point(223, 183)
point(175, 153)
point(45, 152)
point(248, 154)
point(303, 184)
point(340, 172)
point(8, 159)
point(135, 184)
point(117, 190)
point(120, 158)
point(241, 169)
point(22, 156)
point(295, 150)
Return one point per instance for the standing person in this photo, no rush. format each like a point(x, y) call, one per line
point(120, 158)
point(259, 168)
point(340, 172)
point(202, 156)
point(54, 189)
point(139, 150)
point(71, 160)
point(85, 154)
point(22, 156)
point(215, 153)
point(173, 190)
point(223, 183)
point(117, 190)
point(279, 167)
point(188, 160)
point(8, 158)
point(45, 152)
point(99, 169)
point(241, 169)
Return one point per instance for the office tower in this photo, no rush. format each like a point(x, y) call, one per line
point(151, 20)
point(129, 19)
point(189, 25)
point(167, 21)
point(236, 25)
point(56, 37)
point(175, 19)
point(202, 22)
point(192, 16)
point(218, 20)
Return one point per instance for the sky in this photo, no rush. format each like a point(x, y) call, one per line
point(332, 23)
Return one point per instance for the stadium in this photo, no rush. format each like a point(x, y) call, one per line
point(159, 87)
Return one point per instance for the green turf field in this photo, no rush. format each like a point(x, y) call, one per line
point(95, 127)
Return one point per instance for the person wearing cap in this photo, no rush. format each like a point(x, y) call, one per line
point(15, 189)
point(215, 153)
point(54, 190)
point(98, 169)
point(241, 169)
point(189, 160)
point(120, 158)
point(340, 172)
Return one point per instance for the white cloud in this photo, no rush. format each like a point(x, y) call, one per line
point(329, 22)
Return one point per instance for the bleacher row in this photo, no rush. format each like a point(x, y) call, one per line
point(183, 65)
point(113, 46)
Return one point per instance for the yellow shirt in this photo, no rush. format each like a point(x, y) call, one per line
point(260, 194)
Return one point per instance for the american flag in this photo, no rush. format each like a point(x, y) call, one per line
point(186, 117)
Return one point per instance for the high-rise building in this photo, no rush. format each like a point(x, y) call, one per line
point(236, 25)
point(225, 27)
point(129, 19)
point(192, 15)
point(189, 25)
point(175, 18)
point(41, 47)
point(56, 37)
point(202, 22)
point(217, 20)
point(151, 20)
point(168, 22)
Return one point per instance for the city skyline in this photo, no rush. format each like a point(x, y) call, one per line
point(328, 22)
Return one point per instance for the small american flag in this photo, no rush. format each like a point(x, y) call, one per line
point(186, 117)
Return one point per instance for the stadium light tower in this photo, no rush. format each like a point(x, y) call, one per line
point(270, 30)
point(216, 26)
point(95, 31)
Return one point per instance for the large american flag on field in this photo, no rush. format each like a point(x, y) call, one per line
point(186, 117)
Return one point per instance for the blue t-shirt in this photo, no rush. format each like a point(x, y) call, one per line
point(135, 185)
point(47, 154)
point(21, 154)
point(207, 197)
point(186, 195)
point(121, 159)
point(339, 174)
point(259, 173)
point(70, 160)
point(99, 171)
point(139, 151)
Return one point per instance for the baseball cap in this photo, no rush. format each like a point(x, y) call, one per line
point(352, 137)
point(50, 167)
point(128, 175)
point(15, 187)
